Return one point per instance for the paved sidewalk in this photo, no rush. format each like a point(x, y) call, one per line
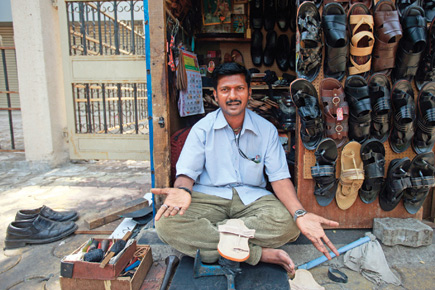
point(94, 186)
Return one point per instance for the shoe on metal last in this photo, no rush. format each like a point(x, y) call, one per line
point(37, 231)
point(46, 212)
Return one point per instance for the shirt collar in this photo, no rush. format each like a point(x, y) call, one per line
point(221, 122)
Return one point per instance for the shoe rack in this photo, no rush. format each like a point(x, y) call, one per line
point(359, 215)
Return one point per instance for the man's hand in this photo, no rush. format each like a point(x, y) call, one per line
point(177, 201)
point(311, 226)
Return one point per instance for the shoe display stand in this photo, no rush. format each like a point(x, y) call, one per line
point(360, 214)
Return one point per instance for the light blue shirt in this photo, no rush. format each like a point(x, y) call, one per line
point(211, 158)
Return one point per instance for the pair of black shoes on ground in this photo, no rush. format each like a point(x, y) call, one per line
point(39, 226)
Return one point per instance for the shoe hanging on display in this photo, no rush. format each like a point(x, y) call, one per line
point(358, 98)
point(388, 33)
point(380, 94)
point(257, 47)
point(412, 44)
point(336, 110)
point(336, 41)
point(397, 182)
point(362, 40)
point(373, 157)
point(323, 172)
point(309, 46)
point(426, 68)
point(269, 15)
point(402, 96)
point(304, 96)
point(283, 52)
point(270, 49)
point(351, 176)
point(421, 171)
point(424, 136)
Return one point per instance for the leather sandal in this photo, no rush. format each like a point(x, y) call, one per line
point(335, 109)
point(237, 56)
point(336, 41)
point(402, 99)
point(429, 8)
point(388, 33)
point(421, 173)
point(324, 172)
point(304, 96)
point(373, 157)
point(424, 137)
point(398, 180)
point(426, 68)
point(318, 3)
point(362, 39)
point(351, 177)
point(309, 42)
point(412, 44)
point(233, 240)
point(403, 4)
point(358, 98)
point(343, 3)
point(380, 91)
point(367, 3)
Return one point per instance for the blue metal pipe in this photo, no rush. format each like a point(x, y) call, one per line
point(342, 250)
point(149, 95)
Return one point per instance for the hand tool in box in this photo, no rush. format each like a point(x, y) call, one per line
point(115, 249)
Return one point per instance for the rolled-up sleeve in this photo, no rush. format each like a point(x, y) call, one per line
point(275, 161)
point(192, 157)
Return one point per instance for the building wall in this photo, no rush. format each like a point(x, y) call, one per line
point(37, 42)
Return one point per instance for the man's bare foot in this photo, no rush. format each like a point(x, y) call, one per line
point(279, 257)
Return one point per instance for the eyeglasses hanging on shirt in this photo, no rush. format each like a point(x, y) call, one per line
point(257, 158)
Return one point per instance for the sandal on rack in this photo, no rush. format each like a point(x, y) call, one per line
point(304, 96)
point(309, 42)
point(429, 8)
point(403, 4)
point(351, 177)
point(336, 110)
point(388, 33)
point(412, 44)
point(358, 98)
point(397, 182)
point(343, 3)
point(403, 103)
point(233, 240)
point(324, 172)
point(367, 3)
point(421, 171)
point(373, 157)
point(424, 137)
point(379, 88)
point(336, 41)
point(362, 39)
point(426, 68)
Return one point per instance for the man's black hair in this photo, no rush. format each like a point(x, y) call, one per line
point(230, 68)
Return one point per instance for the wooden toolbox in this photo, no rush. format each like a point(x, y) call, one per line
point(87, 275)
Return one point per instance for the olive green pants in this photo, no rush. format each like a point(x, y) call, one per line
point(198, 227)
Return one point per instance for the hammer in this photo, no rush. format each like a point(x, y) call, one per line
point(171, 263)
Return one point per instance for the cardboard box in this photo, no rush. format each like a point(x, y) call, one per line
point(119, 283)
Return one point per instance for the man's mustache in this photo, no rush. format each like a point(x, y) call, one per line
point(233, 102)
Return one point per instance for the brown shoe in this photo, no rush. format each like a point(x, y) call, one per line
point(388, 33)
point(336, 110)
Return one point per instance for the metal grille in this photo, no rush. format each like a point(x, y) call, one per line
point(106, 28)
point(113, 108)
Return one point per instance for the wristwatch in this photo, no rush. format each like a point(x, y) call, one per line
point(299, 213)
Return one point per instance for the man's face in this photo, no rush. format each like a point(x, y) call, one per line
point(232, 94)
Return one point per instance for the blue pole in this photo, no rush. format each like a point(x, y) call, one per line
point(149, 94)
point(342, 250)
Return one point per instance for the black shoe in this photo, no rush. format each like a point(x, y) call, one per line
point(282, 14)
point(292, 56)
point(45, 211)
point(269, 51)
point(257, 47)
point(256, 14)
point(37, 231)
point(269, 15)
point(283, 52)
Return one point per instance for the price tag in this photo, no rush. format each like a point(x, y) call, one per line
point(339, 114)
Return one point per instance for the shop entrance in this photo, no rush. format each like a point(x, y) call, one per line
point(103, 52)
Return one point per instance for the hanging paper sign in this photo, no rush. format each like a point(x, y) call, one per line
point(190, 101)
